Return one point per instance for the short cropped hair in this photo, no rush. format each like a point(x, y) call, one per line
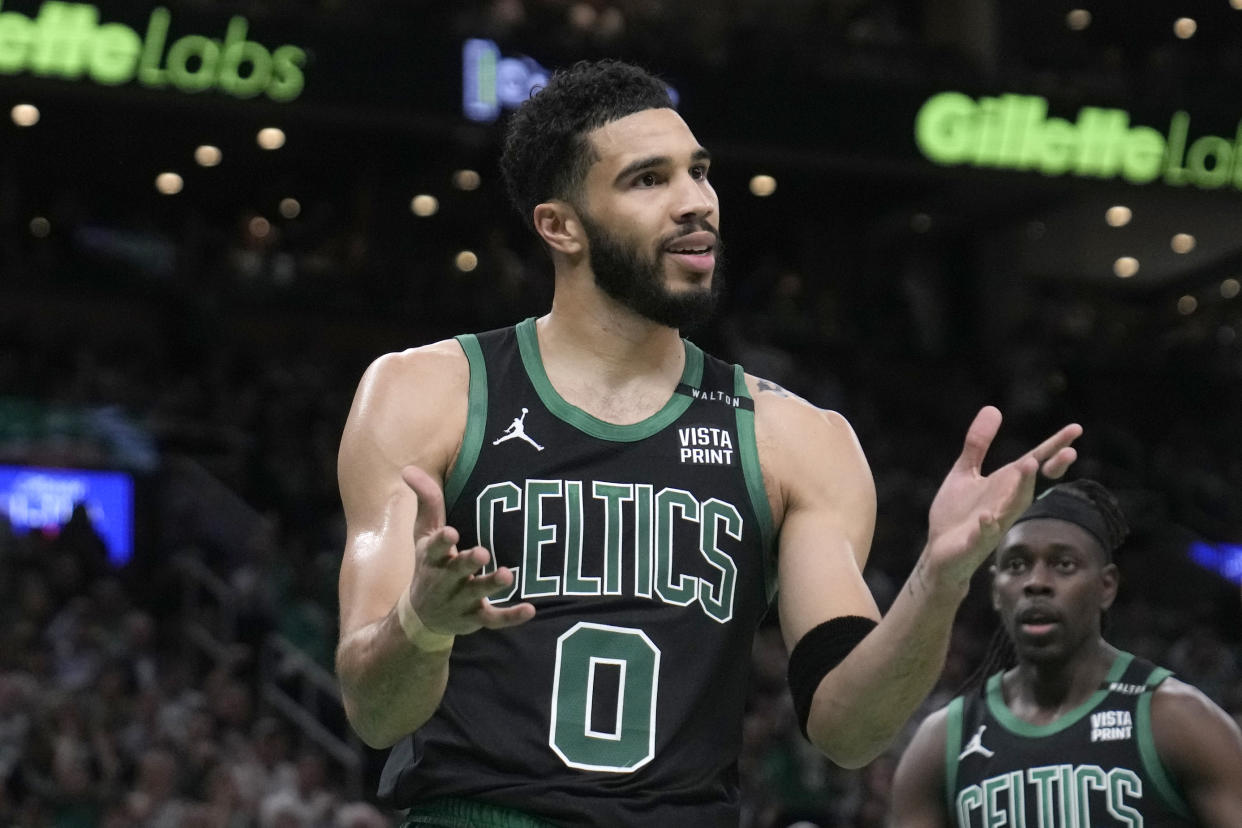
point(546, 153)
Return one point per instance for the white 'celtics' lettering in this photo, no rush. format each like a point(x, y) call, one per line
point(640, 525)
point(1111, 725)
point(704, 445)
point(1054, 796)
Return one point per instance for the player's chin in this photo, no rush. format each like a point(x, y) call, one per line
point(677, 271)
point(682, 282)
point(1040, 649)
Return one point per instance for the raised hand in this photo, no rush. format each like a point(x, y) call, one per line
point(447, 592)
point(972, 511)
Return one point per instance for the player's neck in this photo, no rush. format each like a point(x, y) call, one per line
point(609, 361)
point(1042, 692)
point(599, 335)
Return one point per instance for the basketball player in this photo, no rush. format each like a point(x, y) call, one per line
point(1077, 733)
point(562, 535)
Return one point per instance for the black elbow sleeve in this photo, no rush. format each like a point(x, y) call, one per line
point(817, 652)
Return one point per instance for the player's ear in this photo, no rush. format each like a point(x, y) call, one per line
point(1110, 579)
point(995, 594)
point(557, 224)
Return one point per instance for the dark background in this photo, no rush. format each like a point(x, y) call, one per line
point(872, 281)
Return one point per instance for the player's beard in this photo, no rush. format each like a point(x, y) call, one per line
point(636, 280)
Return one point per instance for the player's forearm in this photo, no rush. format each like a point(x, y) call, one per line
point(389, 687)
point(863, 703)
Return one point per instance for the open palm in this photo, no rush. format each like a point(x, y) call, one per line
point(449, 589)
point(971, 511)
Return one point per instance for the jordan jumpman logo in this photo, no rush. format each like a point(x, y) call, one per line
point(517, 428)
point(975, 745)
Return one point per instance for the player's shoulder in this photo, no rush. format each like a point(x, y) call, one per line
point(1181, 714)
point(784, 409)
point(1175, 699)
point(436, 368)
point(809, 455)
point(401, 384)
point(1193, 735)
point(443, 357)
point(935, 725)
point(411, 405)
point(793, 433)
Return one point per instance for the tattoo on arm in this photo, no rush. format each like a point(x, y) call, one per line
point(766, 386)
point(919, 575)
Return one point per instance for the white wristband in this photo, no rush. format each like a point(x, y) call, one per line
point(418, 635)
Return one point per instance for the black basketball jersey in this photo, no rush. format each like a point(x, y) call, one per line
point(1094, 767)
point(647, 552)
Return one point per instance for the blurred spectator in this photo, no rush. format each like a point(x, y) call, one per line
point(265, 769)
point(308, 803)
point(153, 800)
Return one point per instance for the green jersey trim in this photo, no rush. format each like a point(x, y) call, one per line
point(1156, 770)
point(692, 374)
point(753, 473)
point(952, 750)
point(1002, 713)
point(476, 421)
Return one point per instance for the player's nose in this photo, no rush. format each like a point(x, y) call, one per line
point(693, 199)
point(1038, 579)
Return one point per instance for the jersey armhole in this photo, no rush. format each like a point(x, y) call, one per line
point(952, 747)
point(753, 474)
point(476, 420)
point(1156, 771)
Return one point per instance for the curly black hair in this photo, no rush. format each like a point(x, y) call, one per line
point(546, 154)
point(1106, 504)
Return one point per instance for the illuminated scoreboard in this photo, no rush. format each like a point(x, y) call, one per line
point(38, 499)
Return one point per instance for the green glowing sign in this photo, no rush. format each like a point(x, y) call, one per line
point(1014, 132)
point(67, 41)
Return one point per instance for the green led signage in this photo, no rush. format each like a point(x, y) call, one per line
point(1014, 132)
point(67, 41)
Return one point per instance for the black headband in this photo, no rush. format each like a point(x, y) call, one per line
point(1061, 505)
